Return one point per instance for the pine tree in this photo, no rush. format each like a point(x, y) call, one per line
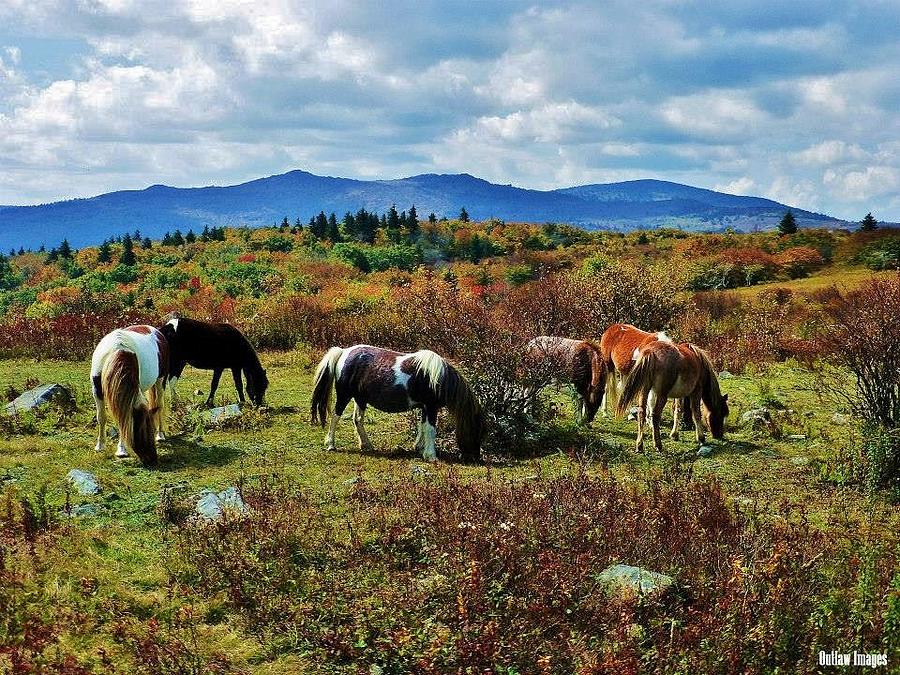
point(868, 223)
point(285, 224)
point(191, 237)
point(53, 255)
point(298, 227)
point(104, 254)
point(393, 219)
point(464, 215)
point(432, 218)
point(177, 238)
point(334, 234)
point(21, 251)
point(319, 225)
point(788, 224)
point(167, 239)
point(204, 236)
point(146, 244)
point(65, 251)
point(412, 222)
point(127, 258)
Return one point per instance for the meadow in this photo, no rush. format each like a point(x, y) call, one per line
point(782, 542)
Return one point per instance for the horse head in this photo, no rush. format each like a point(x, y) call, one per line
point(715, 417)
point(257, 383)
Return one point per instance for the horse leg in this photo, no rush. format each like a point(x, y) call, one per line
point(676, 419)
point(158, 401)
point(359, 414)
point(238, 384)
point(101, 424)
point(656, 411)
point(217, 373)
point(429, 432)
point(417, 445)
point(340, 402)
point(642, 406)
point(698, 418)
point(687, 421)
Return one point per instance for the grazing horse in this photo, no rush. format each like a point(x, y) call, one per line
point(395, 382)
point(663, 370)
point(576, 362)
point(215, 347)
point(126, 363)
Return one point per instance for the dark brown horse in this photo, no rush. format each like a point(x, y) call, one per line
point(576, 362)
point(395, 382)
point(215, 347)
point(662, 371)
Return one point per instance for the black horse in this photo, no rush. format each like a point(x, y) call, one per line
point(215, 347)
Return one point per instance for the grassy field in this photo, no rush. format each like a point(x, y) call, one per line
point(124, 548)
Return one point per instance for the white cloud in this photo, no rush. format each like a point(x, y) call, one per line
point(858, 186)
point(740, 186)
point(716, 114)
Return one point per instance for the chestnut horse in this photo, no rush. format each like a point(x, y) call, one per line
point(576, 362)
point(618, 344)
point(395, 382)
point(662, 371)
point(126, 363)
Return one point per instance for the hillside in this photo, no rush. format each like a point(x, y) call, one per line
point(629, 205)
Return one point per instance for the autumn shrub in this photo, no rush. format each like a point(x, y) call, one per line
point(799, 261)
point(858, 338)
point(440, 574)
point(881, 254)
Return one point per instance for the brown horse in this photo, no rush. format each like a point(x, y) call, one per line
point(576, 362)
point(617, 345)
point(663, 370)
point(394, 382)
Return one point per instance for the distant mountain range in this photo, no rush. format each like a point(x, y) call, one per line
point(638, 204)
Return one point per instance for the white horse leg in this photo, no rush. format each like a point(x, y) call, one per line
point(159, 401)
point(676, 419)
point(429, 433)
point(121, 450)
point(698, 419)
point(420, 440)
point(359, 414)
point(332, 426)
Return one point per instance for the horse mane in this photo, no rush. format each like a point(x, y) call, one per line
point(455, 393)
point(430, 365)
point(711, 394)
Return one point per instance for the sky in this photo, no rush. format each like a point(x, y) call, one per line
point(796, 101)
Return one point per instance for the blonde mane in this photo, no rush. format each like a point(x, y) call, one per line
point(429, 364)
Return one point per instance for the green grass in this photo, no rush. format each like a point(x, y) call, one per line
point(124, 548)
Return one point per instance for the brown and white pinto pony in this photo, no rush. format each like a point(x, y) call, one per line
point(617, 345)
point(662, 371)
point(576, 362)
point(395, 382)
point(126, 363)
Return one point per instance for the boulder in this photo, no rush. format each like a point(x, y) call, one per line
point(84, 481)
point(212, 505)
point(627, 579)
point(758, 419)
point(704, 451)
point(39, 396)
point(216, 415)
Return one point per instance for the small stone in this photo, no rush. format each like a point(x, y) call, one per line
point(215, 415)
point(617, 579)
point(796, 437)
point(725, 375)
point(420, 472)
point(800, 461)
point(212, 505)
point(39, 396)
point(704, 451)
point(839, 418)
point(353, 481)
point(84, 481)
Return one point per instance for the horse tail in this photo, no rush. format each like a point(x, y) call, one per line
point(454, 392)
point(120, 378)
point(323, 386)
point(639, 379)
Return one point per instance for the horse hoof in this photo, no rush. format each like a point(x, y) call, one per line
point(98, 447)
point(329, 447)
point(160, 436)
point(121, 453)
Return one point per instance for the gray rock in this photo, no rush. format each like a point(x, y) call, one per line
point(704, 451)
point(212, 505)
point(86, 511)
point(37, 397)
point(216, 415)
point(839, 418)
point(800, 461)
point(725, 375)
point(618, 579)
point(796, 437)
point(758, 419)
point(84, 481)
point(420, 472)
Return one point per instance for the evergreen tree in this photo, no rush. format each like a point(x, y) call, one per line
point(333, 233)
point(204, 236)
point(104, 254)
point(432, 218)
point(65, 251)
point(393, 219)
point(41, 249)
point(21, 251)
point(53, 255)
point(127, 258)
point(177, 238)
point(284, 225)
point(788, 224)
point(146, 244)
point(167, 239)
point(412, 222)
point(868, 223)
point(319, 226)
point(12, 252)
point(191, 237)
point(136, 236)
point(298, 227)
point(464, 215)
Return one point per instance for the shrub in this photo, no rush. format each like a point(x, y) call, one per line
point(881, 254)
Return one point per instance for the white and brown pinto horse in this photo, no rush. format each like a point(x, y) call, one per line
point(576, 362)
point(662, 371)
point(617, 345)
point(395, 382)
point(127, 363)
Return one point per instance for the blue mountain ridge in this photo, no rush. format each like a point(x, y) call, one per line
point(637, 204)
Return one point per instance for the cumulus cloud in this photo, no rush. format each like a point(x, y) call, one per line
point(768, 98)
